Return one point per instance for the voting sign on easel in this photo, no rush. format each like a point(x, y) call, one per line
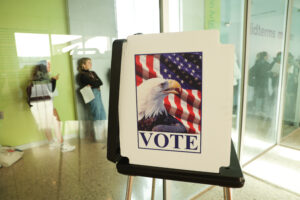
point(175, 101)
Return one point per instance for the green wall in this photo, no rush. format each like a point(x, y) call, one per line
point(30, 16)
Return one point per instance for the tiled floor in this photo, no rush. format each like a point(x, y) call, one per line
point(253, 189)
point(280, 166)
point(49, 174)
point(86, 174)
point(292, 140)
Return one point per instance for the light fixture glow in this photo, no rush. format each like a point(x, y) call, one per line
point(32, 45)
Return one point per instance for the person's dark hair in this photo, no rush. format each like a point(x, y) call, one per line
point(278, 57)
point(278, 54)
point(81, 62)
point(290, 58)
point(261, 55)
point(41, 72)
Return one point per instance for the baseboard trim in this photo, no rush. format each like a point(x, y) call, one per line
point(44, 142)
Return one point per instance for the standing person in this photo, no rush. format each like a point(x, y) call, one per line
point(291, 90)
point(89, 78)
point(236, 84)
point(275, 74)
point(39, 97)
point(261, 72)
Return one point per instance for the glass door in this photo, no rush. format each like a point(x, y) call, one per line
point(227, 17)
point(231, 32)
point(265, 47)
point(290, 133)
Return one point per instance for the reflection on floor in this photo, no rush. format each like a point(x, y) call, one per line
point(288, 128)
point(253, 189)
point(280, 166)
point(86, 174)
point(259, 135)
point(50, 174)
point(292, 140)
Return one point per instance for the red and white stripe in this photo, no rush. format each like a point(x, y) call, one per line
point(186, 107)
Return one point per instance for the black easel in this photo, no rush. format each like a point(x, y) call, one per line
point(228, 177)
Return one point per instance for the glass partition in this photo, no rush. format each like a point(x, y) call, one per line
point(42, 107)
point(46, 48)
point(38, 47)
point(231, 32)
point(88, 45)
point(265, 64)
point(227, 17)
point(290, 135)
point(137, 16)
point(97, 26)
point(33, 49)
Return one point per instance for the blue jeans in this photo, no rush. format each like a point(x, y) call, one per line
point(96, 106)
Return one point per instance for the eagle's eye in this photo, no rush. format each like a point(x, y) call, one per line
point(162, 85)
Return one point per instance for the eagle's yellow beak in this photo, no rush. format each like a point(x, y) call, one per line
point(173, 85)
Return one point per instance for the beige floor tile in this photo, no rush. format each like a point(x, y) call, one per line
point(8, 192)
point(7, 177)
point(86, 174)
point(252, 190)
point(189, 191)
point(293, 139)
point(280, 166)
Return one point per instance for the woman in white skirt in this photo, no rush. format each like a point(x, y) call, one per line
point(39, 94)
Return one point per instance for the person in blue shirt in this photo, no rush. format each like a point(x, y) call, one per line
point(89, 78)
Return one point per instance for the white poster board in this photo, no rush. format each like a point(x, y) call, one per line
point(175, 100)
point(87, 94)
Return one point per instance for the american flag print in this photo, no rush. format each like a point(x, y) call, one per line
point(185, 68)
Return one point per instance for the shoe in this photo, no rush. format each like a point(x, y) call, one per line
point(67, 148)
point(54, 145)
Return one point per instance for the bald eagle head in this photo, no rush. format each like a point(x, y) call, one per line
point(151, 94)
